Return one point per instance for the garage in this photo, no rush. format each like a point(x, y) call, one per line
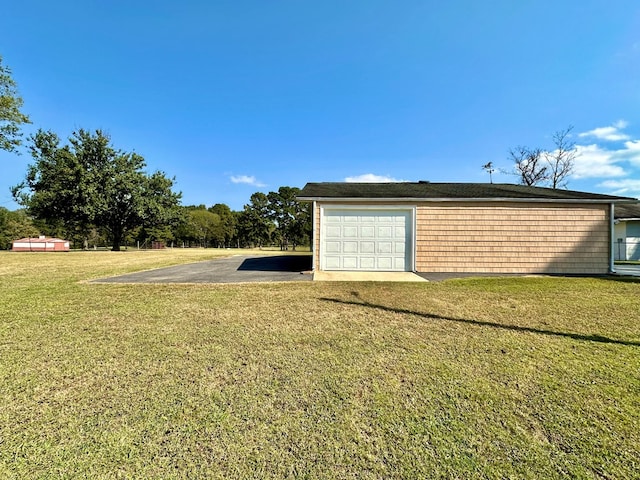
point(367, 239)
point(461, 228)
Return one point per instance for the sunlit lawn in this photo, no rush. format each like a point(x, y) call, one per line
point(475, 378)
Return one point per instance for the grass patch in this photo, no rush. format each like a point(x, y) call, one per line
point(489, 378)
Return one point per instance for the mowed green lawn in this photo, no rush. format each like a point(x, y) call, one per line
point(476, 378)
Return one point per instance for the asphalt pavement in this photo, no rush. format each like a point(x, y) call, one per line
point(236, 269)
point(279, 268)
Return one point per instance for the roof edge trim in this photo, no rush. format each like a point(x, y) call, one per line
point(467, 200)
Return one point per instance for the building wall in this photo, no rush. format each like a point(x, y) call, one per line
point(627, 240)
point(41, 246)
point(505, 237)
point(513, 238)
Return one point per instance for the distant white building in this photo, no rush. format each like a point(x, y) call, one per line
point(40, 244)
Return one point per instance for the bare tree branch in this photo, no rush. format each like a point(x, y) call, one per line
point(528, 165)
point(561, 160)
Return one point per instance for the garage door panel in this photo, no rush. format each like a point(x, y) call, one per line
point(385, 247)
point(385, 232)
point(367, 263)
point(332, 262)
point(350, 232)
point(385, 263)
point(359, 239)
point(367, 232)
point(333, 247)
point(350, 247)
point(367, 247)
point(334, 231)
point(350, 262)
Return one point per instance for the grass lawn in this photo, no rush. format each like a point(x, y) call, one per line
point(475, 378)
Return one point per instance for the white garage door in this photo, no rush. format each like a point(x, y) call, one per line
point(371, 240)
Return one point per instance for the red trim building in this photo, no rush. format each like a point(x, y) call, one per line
point(40, 244)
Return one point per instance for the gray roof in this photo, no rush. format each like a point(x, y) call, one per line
point(627, 211)
point(447, 191)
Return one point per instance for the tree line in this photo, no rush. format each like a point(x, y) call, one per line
point(93, 194)
point(275, 218)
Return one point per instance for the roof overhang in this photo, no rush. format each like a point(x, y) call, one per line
point(461, 200)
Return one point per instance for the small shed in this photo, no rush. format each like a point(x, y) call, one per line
point(40, 244)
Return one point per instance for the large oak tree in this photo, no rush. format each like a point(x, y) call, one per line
point(11, 118)
point(88, 183)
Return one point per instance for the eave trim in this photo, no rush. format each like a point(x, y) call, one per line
point(465, 200)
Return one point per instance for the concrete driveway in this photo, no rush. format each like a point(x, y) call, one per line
point(629, 270)
point(236, 269)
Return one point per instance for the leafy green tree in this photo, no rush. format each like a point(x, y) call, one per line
point(15, 225)
point(227, 224)
point(11, 118)
point(290, 216)
point(254, 223)
point(56, 189)
point(180, 229)
point(301, 229)
point(204, 225)
point(90, 184)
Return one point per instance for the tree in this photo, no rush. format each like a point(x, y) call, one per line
point(90, 184)
point(535, 166)
point(283, 211)
point(254, 223)
point(227, 224)
point(204, 225)
point(562, 159)
point(301, 229)
point(55, 188)
point(10, 115)
point(528, 165)
point(292, 218)
point(15, 225)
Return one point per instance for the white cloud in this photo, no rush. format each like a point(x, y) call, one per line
point(593, 161)
point(627, 187)
point(246, 179)
point(632, 152)
point(611, 133)
point(371, 178)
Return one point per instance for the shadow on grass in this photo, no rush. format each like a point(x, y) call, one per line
point(482, 323)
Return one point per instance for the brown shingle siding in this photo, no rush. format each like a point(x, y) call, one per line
point(512, 238)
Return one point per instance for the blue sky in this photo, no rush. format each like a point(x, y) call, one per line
point(234, 97)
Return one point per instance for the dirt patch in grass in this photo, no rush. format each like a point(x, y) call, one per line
point(497, 378)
